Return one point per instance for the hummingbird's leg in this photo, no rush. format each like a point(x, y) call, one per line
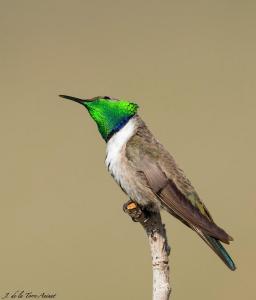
point(133, 209)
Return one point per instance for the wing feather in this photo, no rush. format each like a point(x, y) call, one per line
point(169, 184)
point(170, 196)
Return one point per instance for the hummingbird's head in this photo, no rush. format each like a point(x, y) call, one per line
point(110, 114)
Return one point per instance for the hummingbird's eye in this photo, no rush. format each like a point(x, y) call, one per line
point(106, 98)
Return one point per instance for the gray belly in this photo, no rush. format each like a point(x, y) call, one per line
point(132, 184)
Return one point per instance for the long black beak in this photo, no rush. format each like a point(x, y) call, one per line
point(72, 98)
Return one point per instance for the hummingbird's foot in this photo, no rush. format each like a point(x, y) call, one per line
point(133, 210)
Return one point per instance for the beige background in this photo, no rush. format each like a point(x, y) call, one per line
point(191, 67)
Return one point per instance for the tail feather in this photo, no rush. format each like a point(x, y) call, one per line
point(218, 249)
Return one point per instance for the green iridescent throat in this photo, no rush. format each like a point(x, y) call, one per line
point(109, 115)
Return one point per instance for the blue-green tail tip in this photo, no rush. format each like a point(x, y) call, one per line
point(228, 260)
point(222, 253)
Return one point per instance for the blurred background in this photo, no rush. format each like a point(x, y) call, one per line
point(191, 67)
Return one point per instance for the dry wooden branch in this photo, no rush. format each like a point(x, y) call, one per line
point(160, 250)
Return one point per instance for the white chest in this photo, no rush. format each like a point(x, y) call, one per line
point(115, 159)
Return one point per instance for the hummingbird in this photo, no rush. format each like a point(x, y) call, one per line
point(148, 173)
